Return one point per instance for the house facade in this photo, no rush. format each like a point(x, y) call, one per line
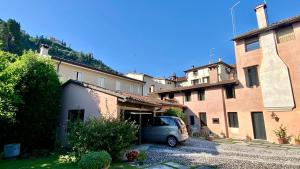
point(152, 84)
point(261, 93)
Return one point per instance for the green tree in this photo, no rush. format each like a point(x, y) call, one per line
point(175, 112)
point(30, 88)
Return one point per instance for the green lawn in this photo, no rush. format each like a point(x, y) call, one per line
point(49, 162)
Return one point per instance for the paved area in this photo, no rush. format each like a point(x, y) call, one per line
point(223, 153)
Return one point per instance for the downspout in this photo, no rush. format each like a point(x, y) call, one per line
point(225, 114)
point(57, 70)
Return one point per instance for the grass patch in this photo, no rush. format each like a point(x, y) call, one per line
point(50, 163)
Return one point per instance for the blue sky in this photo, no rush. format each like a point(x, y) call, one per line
point(157, 37)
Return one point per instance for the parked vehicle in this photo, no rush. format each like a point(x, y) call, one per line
point(170, 130)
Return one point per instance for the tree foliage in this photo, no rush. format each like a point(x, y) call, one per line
point(175, 112)
point(29, 94)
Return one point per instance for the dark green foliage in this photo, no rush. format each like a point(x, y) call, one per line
point(13, 40)
point(29, 95)
point(95, 160)
point(113, 136)
point(175, 112)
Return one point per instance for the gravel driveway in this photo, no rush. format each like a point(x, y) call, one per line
point(196, 152)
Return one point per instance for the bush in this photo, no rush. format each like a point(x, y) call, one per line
point(175, 112)
point(29, 101)
point(95, 160)
point(113, 136)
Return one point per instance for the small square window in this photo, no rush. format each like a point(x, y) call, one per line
point(74, 115)
point(171, 95)
point(215, 120)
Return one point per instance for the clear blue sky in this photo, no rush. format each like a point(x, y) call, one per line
point(157, 37)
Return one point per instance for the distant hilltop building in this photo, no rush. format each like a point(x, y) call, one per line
point(54, 40)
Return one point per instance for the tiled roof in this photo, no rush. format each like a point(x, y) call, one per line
point(93, 68)
point(199, 86)
point(181, 79)
point(275, 25)
point(208, 65)
point(127, 97)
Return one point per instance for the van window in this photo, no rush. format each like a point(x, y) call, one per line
point(168, 121)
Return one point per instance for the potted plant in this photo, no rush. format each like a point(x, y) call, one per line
point(281, 134)
point(297, 139)
point(141, 157)
point(209, 136)
point(132, 155)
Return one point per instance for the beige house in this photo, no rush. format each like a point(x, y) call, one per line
point(67, 69)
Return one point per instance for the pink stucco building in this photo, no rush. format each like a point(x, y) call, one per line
point(254, 96)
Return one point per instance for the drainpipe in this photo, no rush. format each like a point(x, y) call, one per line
point(57, 70)
point(225, 114)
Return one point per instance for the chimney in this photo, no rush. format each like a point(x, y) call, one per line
point(219, 59)
point(44, 50)
point(261, 15)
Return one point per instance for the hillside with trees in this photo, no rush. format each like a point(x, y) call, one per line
point(14, 40)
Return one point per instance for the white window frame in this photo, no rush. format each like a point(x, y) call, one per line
point(118, 85)
point(101, 81)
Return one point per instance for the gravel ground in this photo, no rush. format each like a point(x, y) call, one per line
point(225, 155)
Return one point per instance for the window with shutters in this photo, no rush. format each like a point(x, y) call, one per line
point(203, 120)
point(101, 82)
point(188, 96)
point(252, 44)
point(285, 34)
point(251, 76)
point(230, 92)
point(233, 119)
point(118, 85)
point(78, 76)
point(195, 82)
point(201, 95)
point(205, 80)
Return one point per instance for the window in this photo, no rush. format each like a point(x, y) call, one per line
point(118, 85)
point(233, 119)
point(188, 96)
point(101, 82)
point(251, 44)
point(215, 120)
point(285, 34)
point(195, 72)
point(78, 76)
point(195, 82)
point(205, 80)
point(201, 95)
point(139, 89)
point(192, 120)
point(251, 76)
point(230, 92)
point(168, 121)
point(131, 88)
point(151, 88)
point(171, 95)
point(162, 96)
point(74, 115)
point(203, 120)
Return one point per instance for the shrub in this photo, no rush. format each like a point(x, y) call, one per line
point(142, 156)
point(175, 112)
point(95, 160)
point(113, 136)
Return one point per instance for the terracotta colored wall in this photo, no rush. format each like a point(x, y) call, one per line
point(249, 99)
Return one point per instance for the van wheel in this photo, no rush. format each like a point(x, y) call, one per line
point(172, 141)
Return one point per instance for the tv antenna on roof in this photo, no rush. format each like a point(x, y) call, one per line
point(211, 54)
point(232, 18)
